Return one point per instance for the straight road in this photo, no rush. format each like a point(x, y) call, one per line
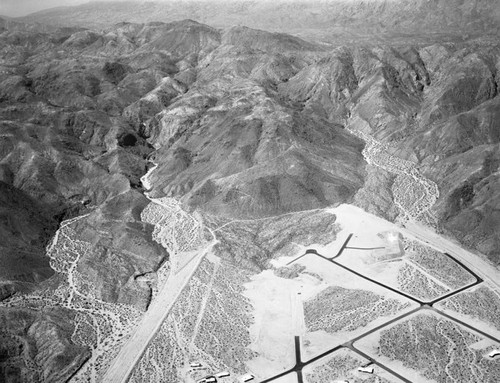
point(131, 352)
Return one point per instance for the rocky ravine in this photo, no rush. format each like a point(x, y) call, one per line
point(242, 124)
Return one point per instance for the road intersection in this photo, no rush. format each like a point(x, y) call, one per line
point(422, 305)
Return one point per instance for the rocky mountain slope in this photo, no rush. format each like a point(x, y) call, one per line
point(241, 123)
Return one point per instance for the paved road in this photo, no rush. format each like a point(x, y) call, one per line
point(474, 262)
point(423, 305)
point(382, 366)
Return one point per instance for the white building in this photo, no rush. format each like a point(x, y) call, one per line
point(494, 353)
point(366, 370)
point(247, 378)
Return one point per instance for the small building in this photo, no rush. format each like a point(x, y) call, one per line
point(195, 364)
point(247, 378)
point(222, 374)
point(494, 353)
point(208, 379)
point(366, 370)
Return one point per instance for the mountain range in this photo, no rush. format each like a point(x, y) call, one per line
point(326, 20)
point(242, 123)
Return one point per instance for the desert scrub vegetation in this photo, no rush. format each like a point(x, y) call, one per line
point(414, 282)
point(336, 308)
point(209, 323)
point(163, 358)
point(224, 329)
point(253, 243)
point(342, 365)
point(481, 303)
point(438, 265)
point(439, 349)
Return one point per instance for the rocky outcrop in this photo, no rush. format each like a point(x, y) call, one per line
point(35, 345)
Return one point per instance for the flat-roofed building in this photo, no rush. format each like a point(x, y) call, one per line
point(366, 370)
point(247, 378)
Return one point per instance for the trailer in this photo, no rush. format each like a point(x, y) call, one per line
point(208, 379)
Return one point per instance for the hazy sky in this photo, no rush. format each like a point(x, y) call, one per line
point(16, 8)
point(23, 7)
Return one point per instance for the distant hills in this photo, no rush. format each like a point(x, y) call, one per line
point(323, 19)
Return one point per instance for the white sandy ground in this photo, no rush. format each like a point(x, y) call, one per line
point(273, 330)
point(369, 345)
point(366, 226)
point(378, 371)
point(315, 343)
point(288, 378)
point(278, 308)
point(386, 272)
point(276, 311)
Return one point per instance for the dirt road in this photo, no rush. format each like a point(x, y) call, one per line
point(124, 363)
